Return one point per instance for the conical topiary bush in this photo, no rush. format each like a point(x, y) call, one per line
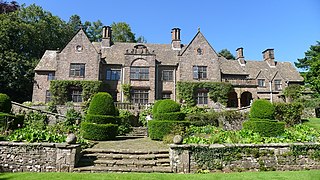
point(101, 122)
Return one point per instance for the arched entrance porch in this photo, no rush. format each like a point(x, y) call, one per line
point(246, 98)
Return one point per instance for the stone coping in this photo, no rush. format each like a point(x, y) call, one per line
point(43, 144)
point(187, 146)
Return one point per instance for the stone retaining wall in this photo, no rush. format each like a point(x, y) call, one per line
point(38, 157)
point(244, 157)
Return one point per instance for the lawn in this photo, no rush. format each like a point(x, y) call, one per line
point(313, 122)
point(305, 175)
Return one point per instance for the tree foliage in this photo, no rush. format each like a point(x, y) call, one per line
point(311, 63)
point(6, 7)
point(25, 34)
point(227, 54)
point(121, 32)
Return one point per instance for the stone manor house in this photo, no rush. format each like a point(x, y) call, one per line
point(153, 70)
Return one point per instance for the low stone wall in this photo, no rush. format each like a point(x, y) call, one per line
point(38, 157)
point(244, 157)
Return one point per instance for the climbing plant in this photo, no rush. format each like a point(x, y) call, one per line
point(126, 88)
point(218, 91)
point(59, 89)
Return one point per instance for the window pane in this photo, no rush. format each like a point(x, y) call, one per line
point(139, 73)
point(77, 70)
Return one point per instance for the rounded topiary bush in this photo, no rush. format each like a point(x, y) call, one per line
point(101, 119)
point(5, 103)
point(262, 109)
point(102, 104)
point(158, 129)
point(168, 106)
point(175, 116)
point(265, 127)
point(155, 106)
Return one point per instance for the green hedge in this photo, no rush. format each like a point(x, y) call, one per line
point(174, 116)
point(158, 129)
point(102, 104)
point(290, 113)
point(99, 132)
point(102, 119)
point(264, 127)
point(5, 103)
point(168, 106)
point(262, 109)
point(155, 107)
point(203, 119)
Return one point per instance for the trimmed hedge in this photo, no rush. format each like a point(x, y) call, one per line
point(5, 103)
point(174, 116)
point(99, 132)
point(203, 119)
point(155, 107)
point(158, 129)
point(102, 104)
point(262, 109)
point(264, 127)
point(101, 119)
point(168, 106)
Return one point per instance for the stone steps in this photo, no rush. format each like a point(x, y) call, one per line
point(138, 132)
point(123, 160)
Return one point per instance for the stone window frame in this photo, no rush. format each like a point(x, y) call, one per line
point(166, 95)
point(77, 70)
point(114, 74)
point(261, 83)
point(202, 97)
point(167, 75)
point(139, 73)
point(51, 76)
point(48, 96)
point(140, 96)
point(75, 94)
point(200, 72)
point(278, 84)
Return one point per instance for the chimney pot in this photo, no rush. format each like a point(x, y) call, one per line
point(176, 42)
point(268, 56)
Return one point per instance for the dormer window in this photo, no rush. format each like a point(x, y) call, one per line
point(277, 85)
point(261, 83)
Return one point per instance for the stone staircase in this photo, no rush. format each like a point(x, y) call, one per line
point(138, 132)
point(108, 160)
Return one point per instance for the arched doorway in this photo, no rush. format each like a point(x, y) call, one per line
point(232, 100)
point(246, 98)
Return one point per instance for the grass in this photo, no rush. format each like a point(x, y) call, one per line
point(313, 122)
point(292, 175)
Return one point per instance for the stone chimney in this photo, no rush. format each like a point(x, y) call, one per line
point(176, 42)
point(106, 37)
point(240, 56)
point(268, 56)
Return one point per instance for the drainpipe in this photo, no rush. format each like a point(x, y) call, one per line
point(270, 85)
point(122, 81)
point(174, 84)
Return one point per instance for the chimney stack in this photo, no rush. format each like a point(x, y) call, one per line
point(106, 37)
point(268, 56)
point(176, 42)
point(240, 56)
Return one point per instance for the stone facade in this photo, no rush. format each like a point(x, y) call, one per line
point(38, 157)
point(244, 157)
point(153, 70)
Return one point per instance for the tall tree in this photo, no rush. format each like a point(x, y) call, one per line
point(75, 22)
point(227, 54)
point(24, 36)
point(121, 32)
point(6, 7)
point(311, 64)
point(94, 30)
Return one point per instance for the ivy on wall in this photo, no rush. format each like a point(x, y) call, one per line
point(59, 89)
point(218, 91)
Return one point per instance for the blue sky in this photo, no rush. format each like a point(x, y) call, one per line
point(288, 26)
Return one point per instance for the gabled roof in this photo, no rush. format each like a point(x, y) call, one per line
point(48, 62)
point(116, 53)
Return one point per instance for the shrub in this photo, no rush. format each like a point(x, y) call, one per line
point(72, 116)
point(174, 116)
point(202, 119)
point(158, 129)
point(290, 113)
point(168, 106)
point(98, 131)
point(155, 107)
point(126, 119)
point(5, 103)
point(264, 127)
point(5, 118)
point(102, 104)
point(18, 121)
point(143, 115)
point(101, 119)
point(262, 109)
